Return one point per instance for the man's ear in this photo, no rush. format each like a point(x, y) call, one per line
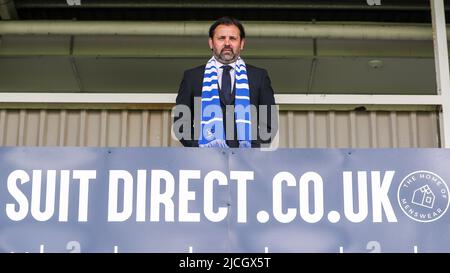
point(242, 44)
point(210, 43)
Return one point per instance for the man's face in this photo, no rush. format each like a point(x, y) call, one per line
point(226, 43)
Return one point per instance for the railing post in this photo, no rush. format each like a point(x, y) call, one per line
point(442, 70)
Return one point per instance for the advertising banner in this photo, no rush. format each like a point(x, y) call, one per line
point(224, 200)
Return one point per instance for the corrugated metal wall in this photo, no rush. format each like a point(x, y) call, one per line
point(126, 128)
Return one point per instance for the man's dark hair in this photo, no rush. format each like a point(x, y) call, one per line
point(227, 21)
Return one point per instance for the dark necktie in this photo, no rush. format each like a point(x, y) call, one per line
point(226, 84)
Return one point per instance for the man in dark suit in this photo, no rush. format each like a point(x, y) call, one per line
point(226, 40)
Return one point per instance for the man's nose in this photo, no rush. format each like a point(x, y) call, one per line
point(227, 41)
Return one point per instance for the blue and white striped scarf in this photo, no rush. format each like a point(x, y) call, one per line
point(212, 118)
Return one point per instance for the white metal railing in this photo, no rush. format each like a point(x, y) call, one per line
point(169, 98)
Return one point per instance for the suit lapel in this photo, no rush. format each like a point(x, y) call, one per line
point(252, 86)
point(199, 81)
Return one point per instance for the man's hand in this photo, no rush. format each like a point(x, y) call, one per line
point(216, 143)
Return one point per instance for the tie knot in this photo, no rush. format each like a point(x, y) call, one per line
point(226, 68)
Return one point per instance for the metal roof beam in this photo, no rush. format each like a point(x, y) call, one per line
point(254, 4)
point(253, 29)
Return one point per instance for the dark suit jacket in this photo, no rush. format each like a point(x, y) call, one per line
point(261, 93)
